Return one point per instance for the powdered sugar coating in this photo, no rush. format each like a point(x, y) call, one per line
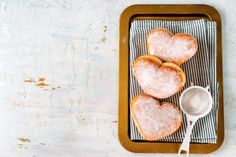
point(155, 121)
point(157, 41)
point(160, 82)
point(172, 48)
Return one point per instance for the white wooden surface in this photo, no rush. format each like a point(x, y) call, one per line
point(73, 44)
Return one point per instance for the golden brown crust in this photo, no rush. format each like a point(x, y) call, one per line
point(179, 35)
point(184, 35)
point(160, 30)
point(148, 57)
point(179, 123)
point(153, 32)
point(135, 118)
point(180, 72)
point(163, 66)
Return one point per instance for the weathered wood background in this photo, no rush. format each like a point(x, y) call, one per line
point(73, 45)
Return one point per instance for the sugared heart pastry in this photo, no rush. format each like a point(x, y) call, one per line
point(168, 47)
point(153, 119)
point(160, 80)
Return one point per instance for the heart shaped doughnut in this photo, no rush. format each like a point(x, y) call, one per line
point(168, 47)
point(160, 80)
point(153, 119)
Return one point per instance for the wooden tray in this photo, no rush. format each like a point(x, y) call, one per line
point(163, 12)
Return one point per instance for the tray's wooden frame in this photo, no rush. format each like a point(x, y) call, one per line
point(166, 12)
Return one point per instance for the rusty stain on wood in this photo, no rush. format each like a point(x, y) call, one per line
point(29, 81)
point(24, 139)
point(41, 84)
point(41, 79)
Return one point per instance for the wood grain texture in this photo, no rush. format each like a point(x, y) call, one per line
point(74, 46)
